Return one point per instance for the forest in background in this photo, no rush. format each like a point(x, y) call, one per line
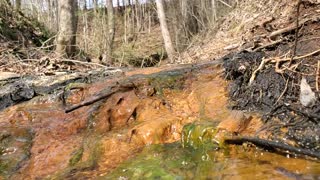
point(129, 33)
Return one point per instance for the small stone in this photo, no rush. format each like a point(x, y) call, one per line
point(307, 96)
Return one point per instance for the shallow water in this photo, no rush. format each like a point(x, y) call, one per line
point(171, 161)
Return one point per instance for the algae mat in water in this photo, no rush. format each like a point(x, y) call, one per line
point(200, 156)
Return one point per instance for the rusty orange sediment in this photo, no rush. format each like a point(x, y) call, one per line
point(120, 125)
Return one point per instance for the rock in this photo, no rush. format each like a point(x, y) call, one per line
point(307, 96)
point(236, 122)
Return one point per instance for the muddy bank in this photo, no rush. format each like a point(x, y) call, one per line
point(267, 80)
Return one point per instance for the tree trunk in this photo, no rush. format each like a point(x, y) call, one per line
point(18, 5)
point(95, 5)
point(214, 11)
point(165, 32)
point(111, 32)
point(68, 21)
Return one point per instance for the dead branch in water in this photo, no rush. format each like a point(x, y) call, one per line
point(107, 93)
point(272, 144)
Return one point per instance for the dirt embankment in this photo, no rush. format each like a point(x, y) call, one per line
point(269, 77)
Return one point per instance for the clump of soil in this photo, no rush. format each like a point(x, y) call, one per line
point(275, 89)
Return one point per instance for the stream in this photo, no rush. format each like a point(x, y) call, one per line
point(150, 124)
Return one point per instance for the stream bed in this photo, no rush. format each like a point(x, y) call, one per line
point(150, 124)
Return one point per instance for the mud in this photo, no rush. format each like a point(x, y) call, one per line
point(276, 89)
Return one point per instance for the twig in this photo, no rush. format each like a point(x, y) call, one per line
point(283, 92)
point(272, 144)
point(253, 76)
point(296, 34)
point(297, 57)
point(45, 42)
point(314, 117)
point(317, 76)
point(87, 63)
point(225, 3)
point(268, 45)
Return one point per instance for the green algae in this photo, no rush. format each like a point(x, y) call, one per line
point(168, 161)
point(200, 135)
point(92, 145)
point(14, 149)
point(76, 157)
point(194, 157)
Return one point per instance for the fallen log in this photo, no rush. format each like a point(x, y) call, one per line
point(293, 26)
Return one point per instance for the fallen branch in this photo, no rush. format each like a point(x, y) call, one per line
point(283, 92)
point(81, 62)
point(317, 76)
point(272, 144)
point(225, 3)
point(268, 45)
point(296, 33)
point(107, 93)
point(290, 28)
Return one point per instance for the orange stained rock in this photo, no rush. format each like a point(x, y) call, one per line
point(125, 122)
point(239, 122)
point(116, 112)
point(236, 122)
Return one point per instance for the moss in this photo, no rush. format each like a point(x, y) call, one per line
point(10, 163)
point(76, 166)
point(77, 155)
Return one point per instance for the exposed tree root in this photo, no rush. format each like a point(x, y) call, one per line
point(277, 60)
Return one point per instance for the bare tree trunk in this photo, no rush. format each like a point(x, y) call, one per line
point(184, 9)
point(18, 5)
point(111, 32)
point(214, 10)
point(85, 5)
point(165, 32)
point(95, 5)
point(68, 21)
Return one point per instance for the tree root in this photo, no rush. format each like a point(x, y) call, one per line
point(273, 145)
point(277, 60)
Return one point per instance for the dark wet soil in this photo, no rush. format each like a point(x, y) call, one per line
point(276, 93)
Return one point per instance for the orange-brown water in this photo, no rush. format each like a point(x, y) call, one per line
point(94, 140)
